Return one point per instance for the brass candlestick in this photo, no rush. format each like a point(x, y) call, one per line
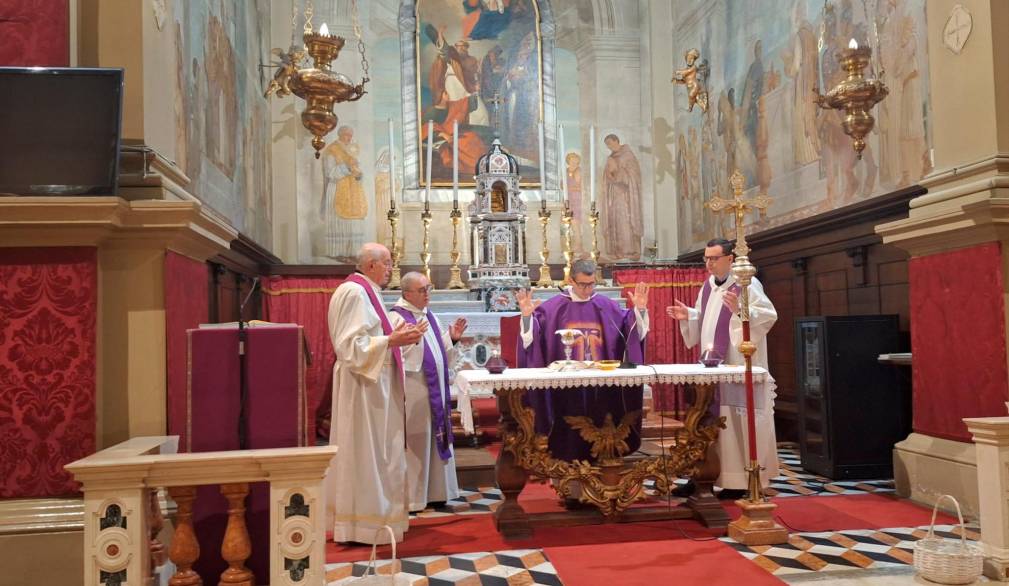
point(569, 254)
point(425, 255)
point(394, 250)
point(545, 280)
point(594, 221)
point(455, 274)
point(756, 526)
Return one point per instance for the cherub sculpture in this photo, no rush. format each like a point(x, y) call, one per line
point(694, 76)
point(288, 64)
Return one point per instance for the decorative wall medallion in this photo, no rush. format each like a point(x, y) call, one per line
point(958, 28)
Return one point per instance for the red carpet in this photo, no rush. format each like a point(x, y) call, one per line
point(646, 552)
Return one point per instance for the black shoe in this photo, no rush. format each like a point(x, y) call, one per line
point(731, 494)
point(684, 490)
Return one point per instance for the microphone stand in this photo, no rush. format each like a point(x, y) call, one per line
point(243, 436)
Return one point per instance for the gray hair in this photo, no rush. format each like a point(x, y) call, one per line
point(370, 251)
point(583, 267)
point(409, 281)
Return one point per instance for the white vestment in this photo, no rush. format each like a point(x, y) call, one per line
point(367, 478)
point(428, 477)
point(732, 441)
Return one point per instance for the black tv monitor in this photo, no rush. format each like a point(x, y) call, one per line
point(59, 130)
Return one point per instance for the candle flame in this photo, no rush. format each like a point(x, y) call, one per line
point(853, 44)
point(324, 30)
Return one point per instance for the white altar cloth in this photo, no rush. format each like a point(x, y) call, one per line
point(480, 383)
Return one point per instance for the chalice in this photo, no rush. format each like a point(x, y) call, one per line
point(568, 338)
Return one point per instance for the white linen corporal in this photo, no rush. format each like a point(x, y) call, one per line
point(732, 441)
point(366, 482)
point(429, 478)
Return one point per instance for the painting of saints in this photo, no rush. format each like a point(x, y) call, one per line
point(344, 204)
point(621, 201)
point(478, 66)
point(573, 176)
point(800, 63)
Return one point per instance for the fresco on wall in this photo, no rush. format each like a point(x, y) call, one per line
point(222, 120)
point(762, 119)
point(478, 64)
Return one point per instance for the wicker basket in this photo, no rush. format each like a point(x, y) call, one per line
point(947, 561)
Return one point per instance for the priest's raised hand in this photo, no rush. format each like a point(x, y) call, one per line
point(527, 304)
point(640, 296)
point(456, 330)
point(679, 311)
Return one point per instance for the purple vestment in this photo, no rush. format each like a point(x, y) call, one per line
point(441, 419)
point(606, 326)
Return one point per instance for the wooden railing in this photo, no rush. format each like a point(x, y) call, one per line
point(991, 440)
point(122, 512)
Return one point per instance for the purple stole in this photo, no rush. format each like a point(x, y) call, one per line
point(721, 341)
point(397, 354)
point(441, 421)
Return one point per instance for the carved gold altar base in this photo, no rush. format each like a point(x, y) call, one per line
point(613, 484)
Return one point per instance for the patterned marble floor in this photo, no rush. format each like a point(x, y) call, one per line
point(502, 568)
point(812, 555)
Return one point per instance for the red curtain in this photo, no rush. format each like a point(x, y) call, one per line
point(48, 308)
point(664, 344)
point(187, 305)
point(305, 301)
point(35, 32)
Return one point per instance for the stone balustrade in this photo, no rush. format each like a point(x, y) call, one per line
point(991, 440)
point(122, 512)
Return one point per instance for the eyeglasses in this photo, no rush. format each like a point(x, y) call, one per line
point(584, 285)
point(427, 289)
point(714, 258)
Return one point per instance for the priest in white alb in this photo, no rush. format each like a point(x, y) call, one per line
point(430, 463)
point(714, 323)
point(367, 478)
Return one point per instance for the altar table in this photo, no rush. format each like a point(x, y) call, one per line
point(612, 484)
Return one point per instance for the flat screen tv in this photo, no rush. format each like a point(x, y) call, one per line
point(59, 130)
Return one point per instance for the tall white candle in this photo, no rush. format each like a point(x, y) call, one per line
point(592, 163)
point(543, 168)
point(392, 168)
point(455, 164)
point(562, 164)
point(430, 158)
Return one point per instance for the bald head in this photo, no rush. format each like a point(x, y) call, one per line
point(416, 289)
point(375, 262)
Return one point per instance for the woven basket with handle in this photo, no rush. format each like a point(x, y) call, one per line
point(947, 561)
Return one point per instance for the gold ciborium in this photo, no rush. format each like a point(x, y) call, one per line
point(855, 95)
point(568, 338)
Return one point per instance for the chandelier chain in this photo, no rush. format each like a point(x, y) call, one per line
point(360, 41)
point(309, 10)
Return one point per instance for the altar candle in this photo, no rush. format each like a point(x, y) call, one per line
point(455, 164)
point(562, 170)
point(430, 158)
point(592, 163)
point(543, 169)
point(392, 168)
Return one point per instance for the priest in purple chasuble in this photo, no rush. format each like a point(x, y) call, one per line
point(367, 479)
point(714, 323)
point(609, 331)
point(430, 465)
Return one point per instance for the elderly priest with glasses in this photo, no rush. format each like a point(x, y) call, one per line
point(609, 333)
point(430, 465)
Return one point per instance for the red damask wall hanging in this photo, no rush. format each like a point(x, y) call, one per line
point(48, 307)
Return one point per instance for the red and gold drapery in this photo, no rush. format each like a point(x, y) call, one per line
point(305, 301)
point(664, 343)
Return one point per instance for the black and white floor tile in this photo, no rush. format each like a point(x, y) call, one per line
point(500, 568)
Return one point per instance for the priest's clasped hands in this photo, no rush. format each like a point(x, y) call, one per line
point(680, 310)
point(406, 334)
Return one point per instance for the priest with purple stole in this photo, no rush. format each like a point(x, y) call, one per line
point(367, 478)
point(430, 465)
point(714, 323)
point(609, 333)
